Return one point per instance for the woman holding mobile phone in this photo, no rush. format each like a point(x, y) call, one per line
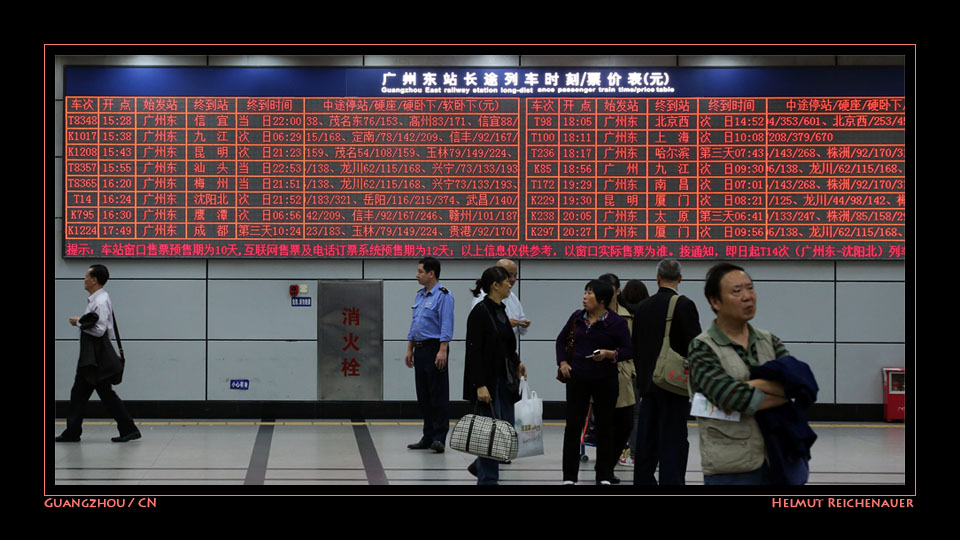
point(589, 346)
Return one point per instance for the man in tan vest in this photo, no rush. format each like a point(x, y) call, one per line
point(732, 452)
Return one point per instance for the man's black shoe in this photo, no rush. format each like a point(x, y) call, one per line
point(472, 468)
point(132, 436)
point(62, 438)
point(421, 445)
point(437, 447)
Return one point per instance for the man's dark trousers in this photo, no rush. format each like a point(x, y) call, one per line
point(433, 392)
point(661, 436)
point(662, 415)
point(80, 395)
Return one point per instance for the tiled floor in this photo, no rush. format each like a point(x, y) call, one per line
point(238, 452)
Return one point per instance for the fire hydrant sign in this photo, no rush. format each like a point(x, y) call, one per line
point(350, 356)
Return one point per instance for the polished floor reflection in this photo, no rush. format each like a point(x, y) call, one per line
point(296, 452)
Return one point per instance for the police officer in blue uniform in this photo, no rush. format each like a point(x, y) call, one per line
point(428, 348)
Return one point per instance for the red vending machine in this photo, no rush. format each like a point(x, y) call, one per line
point(894, 389)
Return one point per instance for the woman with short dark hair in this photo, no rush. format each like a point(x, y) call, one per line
point(591, 343)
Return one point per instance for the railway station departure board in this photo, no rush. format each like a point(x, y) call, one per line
point(708, 163)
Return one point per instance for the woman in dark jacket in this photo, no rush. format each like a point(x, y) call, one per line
point(588, 349)
point(490, 342)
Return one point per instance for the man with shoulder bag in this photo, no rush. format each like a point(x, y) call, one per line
point(99, 367)
point(662, 418)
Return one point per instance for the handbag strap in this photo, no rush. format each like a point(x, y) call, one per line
point(493, 436)
point(573, 328)
point(494, 323)
point(493, 425)
point(496, 331)
point(673, 304)
point(116, 333)
point(470, 429)
point(666, 338)
point(493, 412)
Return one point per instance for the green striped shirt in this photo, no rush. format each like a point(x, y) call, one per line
point(708, 376)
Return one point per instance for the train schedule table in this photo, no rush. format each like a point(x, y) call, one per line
point(533, 170)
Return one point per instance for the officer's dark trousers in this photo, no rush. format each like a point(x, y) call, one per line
point(433, 393)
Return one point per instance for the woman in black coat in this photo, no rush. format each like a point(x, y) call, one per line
point(491, 343)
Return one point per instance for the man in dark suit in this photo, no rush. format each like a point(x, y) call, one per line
point(662, 418)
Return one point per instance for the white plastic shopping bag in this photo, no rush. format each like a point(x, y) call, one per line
point(528, 421)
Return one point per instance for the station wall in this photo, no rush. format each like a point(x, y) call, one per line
point(189, 326)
